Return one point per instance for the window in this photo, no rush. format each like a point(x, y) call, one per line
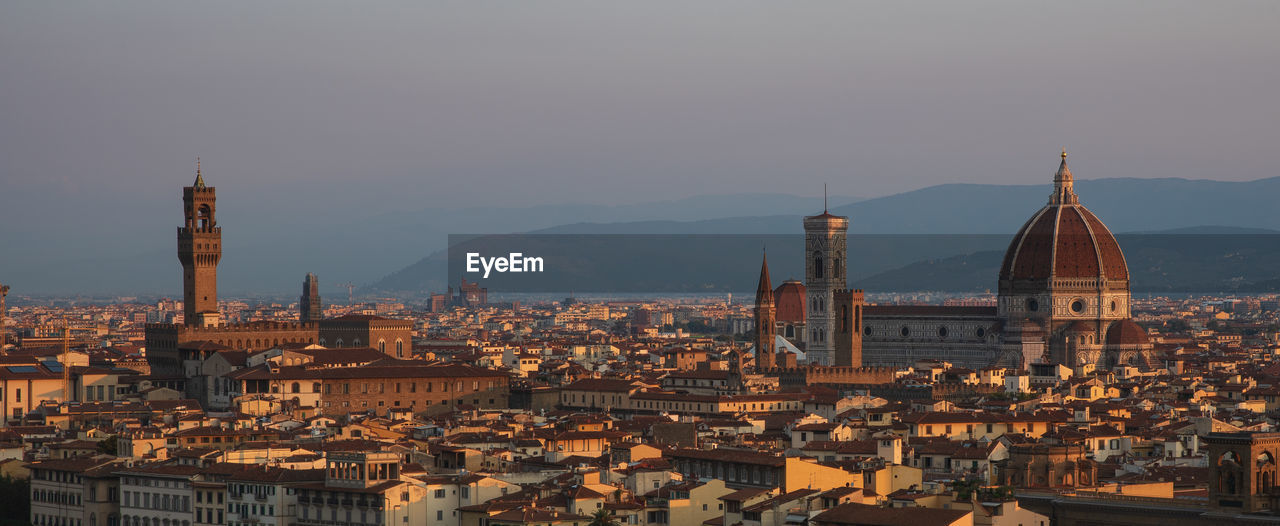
point(439, 494)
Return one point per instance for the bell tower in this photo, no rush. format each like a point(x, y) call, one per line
point(826, 260)
point(766, 324)
point(199, 249)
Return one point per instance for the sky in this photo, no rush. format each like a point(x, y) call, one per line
point(327, 108)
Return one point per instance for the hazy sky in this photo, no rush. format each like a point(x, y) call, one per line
point(369, 104)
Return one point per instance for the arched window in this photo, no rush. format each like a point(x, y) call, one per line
point(817, 265)
point(296, 388)
point(399, 348)
point(382, 346)
point(315, 387)
point(204, 217)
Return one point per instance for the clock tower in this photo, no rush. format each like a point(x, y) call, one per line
point(199, 250)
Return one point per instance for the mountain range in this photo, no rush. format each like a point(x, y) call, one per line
point(270, 244)
point(1201, 209)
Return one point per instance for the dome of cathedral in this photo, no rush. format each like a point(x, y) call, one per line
point(1126, 332)
point(1063, 240)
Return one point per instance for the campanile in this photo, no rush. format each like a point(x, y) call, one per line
point(199, 249)
point(826, 251)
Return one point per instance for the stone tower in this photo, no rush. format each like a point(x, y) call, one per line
point(309, 305)
point(848, 328)
point(199, 249)
point(1242, 471)
point(825, 243)
point(766, 326)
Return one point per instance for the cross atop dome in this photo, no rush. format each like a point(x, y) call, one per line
point(1063, 183)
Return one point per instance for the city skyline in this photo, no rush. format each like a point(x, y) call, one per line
point(566, 263)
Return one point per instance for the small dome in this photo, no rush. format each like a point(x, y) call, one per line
point(1126, 332)
point(789, 300)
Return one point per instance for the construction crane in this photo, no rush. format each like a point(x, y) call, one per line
point(351, 287)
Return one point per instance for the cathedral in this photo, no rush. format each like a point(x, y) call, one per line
point(1063, 298)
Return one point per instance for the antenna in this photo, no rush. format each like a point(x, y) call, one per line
point(824, 198)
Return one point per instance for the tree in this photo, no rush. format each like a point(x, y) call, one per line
point(15, 500)
point(603, 517)
point(108, 446)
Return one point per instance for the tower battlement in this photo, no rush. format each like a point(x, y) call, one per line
point(200, 230)
point(238, 327)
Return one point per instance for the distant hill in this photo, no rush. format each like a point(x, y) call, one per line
point(1213, 259)
point(1124, 204)
point(1165, 206)
point(270, 244)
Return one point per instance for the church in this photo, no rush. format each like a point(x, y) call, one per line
point(1063, 298)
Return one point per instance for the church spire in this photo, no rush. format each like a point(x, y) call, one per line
point(199, 178)
point(764, 289)
point(1063, 185)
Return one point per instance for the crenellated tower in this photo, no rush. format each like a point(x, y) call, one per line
point(848, 328)
point(309, 304)
point(199, 250)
